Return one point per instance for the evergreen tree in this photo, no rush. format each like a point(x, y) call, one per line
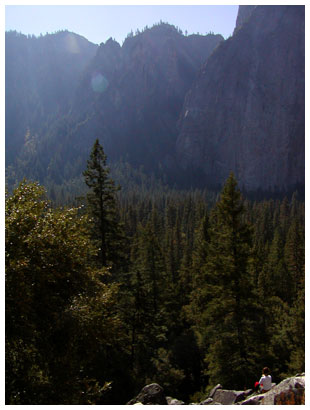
point(102, 207)
point(59, 314)
point(144, 313)
point(231, 307)
point(294, 255)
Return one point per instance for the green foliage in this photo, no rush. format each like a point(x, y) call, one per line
point(200, 294)
point(231, 306)
point(101, 203)
point(58, 311)
point(167, 376)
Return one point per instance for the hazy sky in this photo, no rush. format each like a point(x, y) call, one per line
point(99, 22)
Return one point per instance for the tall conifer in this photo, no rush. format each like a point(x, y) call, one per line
point(231, 307)
point(102, 206)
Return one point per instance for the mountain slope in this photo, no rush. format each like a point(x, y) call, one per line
point(41, 76)
point(129, 97)
point(245, 111)
point(132, 95)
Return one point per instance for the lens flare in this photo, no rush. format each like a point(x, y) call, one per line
point(99, 83)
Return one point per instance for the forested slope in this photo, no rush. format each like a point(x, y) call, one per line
point(183, 286)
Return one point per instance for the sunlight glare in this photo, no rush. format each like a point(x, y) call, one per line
point(99, 83)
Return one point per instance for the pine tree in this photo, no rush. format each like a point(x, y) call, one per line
point(294, 255)
point(231, 308)
point(102, 207)
point(145, 315)
point(196, 309)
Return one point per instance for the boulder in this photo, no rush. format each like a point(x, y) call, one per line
point(219, 396)
point(248, 392)
point(209, 400)
point(212, 392)
point(289, 391)
point(172, 401)
point(253, 400)
point(150, 394)
point(227, 397)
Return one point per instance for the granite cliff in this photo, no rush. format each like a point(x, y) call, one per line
point(244, 12)
point(245, 112)
point(140, 91)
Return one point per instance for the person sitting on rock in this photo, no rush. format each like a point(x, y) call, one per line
point(265, 381)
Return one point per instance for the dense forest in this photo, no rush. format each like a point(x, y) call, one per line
point(123, 287)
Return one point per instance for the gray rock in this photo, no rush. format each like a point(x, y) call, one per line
point(218, 386)
point(209, 400)
point(172, 401)
point(289, 391)
point(227, 397)
point(150, 394)
point(245, 111)
point(253, 400)
point(244, 13)
point(248, 392)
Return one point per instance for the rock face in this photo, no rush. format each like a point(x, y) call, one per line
point(136, 112)
point(244, 13)
point(245, 112)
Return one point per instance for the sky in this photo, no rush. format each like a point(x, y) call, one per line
point(98, 23)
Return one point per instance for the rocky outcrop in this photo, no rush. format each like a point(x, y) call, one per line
point(289, 391)
point(245, 112)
